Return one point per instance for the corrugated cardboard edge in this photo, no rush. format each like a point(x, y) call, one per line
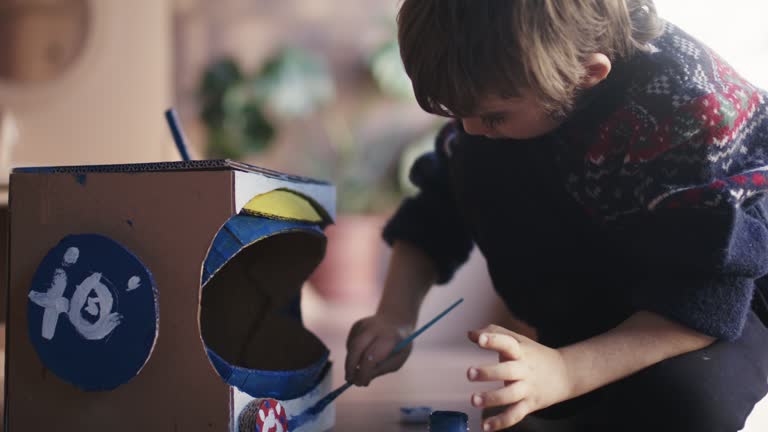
point(319, 191)
point(192, 165)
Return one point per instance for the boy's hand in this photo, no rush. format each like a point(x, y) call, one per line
point(534, 376)
point(369, 342)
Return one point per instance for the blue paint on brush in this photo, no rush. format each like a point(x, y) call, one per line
point(129, 222)
point(312, 412)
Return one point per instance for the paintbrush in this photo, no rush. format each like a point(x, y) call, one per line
point(317, 408)
point(178, 133)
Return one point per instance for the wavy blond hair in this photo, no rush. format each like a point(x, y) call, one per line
point(457, 52)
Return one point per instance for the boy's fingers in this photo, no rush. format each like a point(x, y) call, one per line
point(385, 363)
point(502, 343)
point(506, 395)
point(364, 373)
point(493, 328)
point(504, 371)
point(510, 417)
point(369, 363)
point(356, 347)
point(356, 329)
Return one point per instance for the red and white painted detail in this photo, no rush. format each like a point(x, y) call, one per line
point(271, 417)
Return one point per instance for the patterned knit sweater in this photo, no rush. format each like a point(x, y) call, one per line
point(651, 196)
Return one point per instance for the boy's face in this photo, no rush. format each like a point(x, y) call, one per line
point(520, 117)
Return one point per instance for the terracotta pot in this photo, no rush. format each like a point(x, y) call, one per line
point(352, 269)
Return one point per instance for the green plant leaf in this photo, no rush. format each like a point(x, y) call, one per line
point(218, 77)
point(256, 130)
point(244, 119)
point(294, 83)
point(388, 71)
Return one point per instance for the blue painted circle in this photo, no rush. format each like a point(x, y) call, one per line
point(106, 314)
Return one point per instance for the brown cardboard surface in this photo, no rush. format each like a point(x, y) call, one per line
point(168, 219)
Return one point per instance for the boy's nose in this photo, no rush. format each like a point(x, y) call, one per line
point(473, 126)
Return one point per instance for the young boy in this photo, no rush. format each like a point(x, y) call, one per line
point(613, 172)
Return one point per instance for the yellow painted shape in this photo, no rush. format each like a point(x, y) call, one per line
point(283, 204)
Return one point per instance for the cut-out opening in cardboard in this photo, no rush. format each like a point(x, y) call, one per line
point(250, 320)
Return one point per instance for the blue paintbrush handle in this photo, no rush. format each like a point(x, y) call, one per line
point(317, 408)
point(178, 134)
point(404, 343)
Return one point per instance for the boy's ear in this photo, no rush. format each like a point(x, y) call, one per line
point(597, 66)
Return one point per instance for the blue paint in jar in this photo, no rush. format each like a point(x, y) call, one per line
point(448, 421)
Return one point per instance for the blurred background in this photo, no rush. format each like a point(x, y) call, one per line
point(309, 87)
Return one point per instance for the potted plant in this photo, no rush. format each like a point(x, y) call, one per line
point(240, 110)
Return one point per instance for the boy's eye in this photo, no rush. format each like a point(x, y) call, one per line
point(493, 121)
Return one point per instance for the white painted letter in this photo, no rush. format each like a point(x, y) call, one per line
point(107, 321)
point(53, 302)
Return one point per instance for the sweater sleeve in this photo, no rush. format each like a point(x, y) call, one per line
point(431, 220)
point(700, 242)
point(698, 265)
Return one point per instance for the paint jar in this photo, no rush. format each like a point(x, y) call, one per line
point(448, 421)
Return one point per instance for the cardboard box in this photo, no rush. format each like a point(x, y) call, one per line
point(215, 252)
